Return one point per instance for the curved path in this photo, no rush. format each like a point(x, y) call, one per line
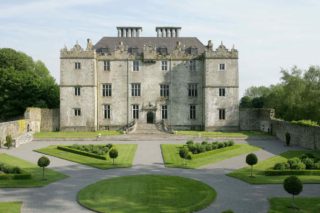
point(232, 193)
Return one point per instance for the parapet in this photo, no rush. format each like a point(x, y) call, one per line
point(78, 52)
point(221, 52)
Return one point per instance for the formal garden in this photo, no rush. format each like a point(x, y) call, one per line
point(16, 173)
point(304, 164)
point(194, 155)
point(99, 156)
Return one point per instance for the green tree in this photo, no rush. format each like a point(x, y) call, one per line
point(251, 160)
point(43, 162)
point(9, 141)
point(256, 92)
point(294, 186)
point(113, 153)
point(24, 83)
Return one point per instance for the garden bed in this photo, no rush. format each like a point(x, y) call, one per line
point(171, 158)
point(265, 173)
point(95, 151)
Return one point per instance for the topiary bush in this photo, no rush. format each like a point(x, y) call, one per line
point(308, 162)
point(281, 166)
point(43, 162)
point(251, 160)
point(113, 154)
point(293, 185)
point(196, 148)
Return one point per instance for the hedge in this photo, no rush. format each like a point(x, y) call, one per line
point(23, 176)
point(272, 172)
point(76, 151)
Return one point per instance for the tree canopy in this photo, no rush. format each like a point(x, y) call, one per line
point(296, 97)
point(24, 83)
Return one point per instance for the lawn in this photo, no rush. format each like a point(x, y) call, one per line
point(305, 204)
point(171, 158)
point(33, 169)
point(10, 207)
point(258, 170)
point(75, 134)
point(239, 134)
point(125, 158)
point(147, 193)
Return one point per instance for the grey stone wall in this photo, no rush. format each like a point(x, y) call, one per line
point(304, 136)
point(263, 119)
point(50, 119)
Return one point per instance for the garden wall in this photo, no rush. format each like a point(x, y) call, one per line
point(263, 120)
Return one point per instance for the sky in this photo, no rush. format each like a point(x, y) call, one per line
point(269, 35)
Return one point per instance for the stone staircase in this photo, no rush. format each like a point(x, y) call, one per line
point(144, 128)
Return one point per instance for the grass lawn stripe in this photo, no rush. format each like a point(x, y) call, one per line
point(10, 207)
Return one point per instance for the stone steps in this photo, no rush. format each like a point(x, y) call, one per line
point(147, 129)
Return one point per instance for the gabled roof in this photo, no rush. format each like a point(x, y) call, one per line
point(169, 42)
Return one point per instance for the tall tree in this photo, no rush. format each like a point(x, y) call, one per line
point(24, 83)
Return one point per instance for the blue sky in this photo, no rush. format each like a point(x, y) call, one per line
point(269, 35)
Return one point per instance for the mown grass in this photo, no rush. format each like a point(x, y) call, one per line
point(33, 169)
point(258, 170)
point(147, 193)
point(305, 205)
point(124, 159)
point(10, 207)
point(240, 134)
point(76, 134)
point(171, 158)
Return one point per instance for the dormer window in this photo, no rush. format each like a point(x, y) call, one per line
point(192, 51)
point(162, 50)
point(133, 50)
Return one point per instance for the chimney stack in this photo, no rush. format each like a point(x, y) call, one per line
point(129, 31)
point(168, 32)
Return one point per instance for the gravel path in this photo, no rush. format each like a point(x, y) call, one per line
point(232, 193)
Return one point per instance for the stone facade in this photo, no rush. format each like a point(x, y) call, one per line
point(113, 61)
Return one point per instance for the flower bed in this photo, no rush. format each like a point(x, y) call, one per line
point(95, 151)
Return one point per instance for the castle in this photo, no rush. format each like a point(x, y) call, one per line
point(176, 81)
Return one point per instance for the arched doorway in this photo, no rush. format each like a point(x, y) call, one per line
point(150, 117)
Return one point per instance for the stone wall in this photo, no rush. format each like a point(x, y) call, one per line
point(305, 136)
point(263, 119)
point(256, 119)
point(50, 119)
point(13, 128)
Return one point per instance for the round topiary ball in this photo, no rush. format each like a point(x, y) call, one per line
point(251, 159)
point(293, 185)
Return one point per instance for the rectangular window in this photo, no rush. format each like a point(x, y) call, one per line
point(164, 112)
point(77, 91)
point(192, 65)
point(106, 111)
point(77, 65)
point(164, 65)
point(136, 89)
point(222, 114)
point(192, 111)
point(222, 92)
point(135, 111)
point(106, 90)
point(136, 65)
point(164, 90)
point(222, 67)
point(192, 90)
point(77, 112)
point(106, 65)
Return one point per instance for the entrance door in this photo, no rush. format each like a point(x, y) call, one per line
point(150, 118)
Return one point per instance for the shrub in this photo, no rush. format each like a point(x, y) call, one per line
point(298, 166)
point(109, 146)
point(16, 170)
point(189, 142)
point(280, 166)
point(307, 155)
point(293, 161)
point(113, 154)
point(293, 185)
point(202, 148)
point(204, 143)
point(208, 147)
point(82, 151)
point(230, 143)
point(214, 146)
point(21, 176)
point(251, 160)
point(308, 162)
point(316, 165)
point(43, 162)
point(288, 138)
point(220, 145)
point(9, 142)
point(226, 143)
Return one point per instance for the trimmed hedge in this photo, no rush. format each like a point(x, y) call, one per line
point(272, 172)
point(76, 151)
point(23, 176)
